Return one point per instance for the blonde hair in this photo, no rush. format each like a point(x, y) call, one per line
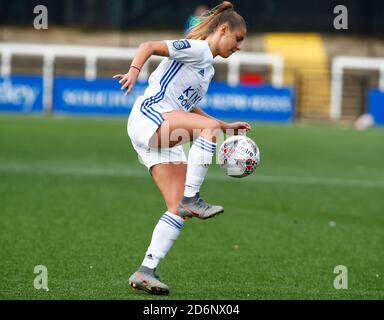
point(223, 13)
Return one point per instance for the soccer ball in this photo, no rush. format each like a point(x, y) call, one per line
point(239, 156)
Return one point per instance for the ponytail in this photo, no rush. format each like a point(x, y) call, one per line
point(220, 14)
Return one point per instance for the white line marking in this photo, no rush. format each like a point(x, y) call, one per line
point(126, 171)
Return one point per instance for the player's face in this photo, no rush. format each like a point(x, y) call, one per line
point(231, 41)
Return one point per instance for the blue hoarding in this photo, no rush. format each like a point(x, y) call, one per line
point(249, 102)
point(21, 93)
point(103, 96)
point(376, 105)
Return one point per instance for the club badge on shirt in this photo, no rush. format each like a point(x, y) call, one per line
point(181, 44)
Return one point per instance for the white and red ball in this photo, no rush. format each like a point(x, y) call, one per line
point(239, 156)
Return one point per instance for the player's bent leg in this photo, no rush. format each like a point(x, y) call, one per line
point(199, 158)
point(180, 127)
point(170, 179)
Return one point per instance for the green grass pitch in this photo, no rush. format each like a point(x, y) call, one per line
point(73, 197)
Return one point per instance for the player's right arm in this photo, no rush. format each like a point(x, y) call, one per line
point(144, 52)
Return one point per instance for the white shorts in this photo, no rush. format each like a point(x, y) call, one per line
point(152, 156)
point(140, 129)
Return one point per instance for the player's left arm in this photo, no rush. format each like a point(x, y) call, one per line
point(237, 125)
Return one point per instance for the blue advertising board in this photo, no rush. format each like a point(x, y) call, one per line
point(265, 103)
point(21, 93)
point(103, 96)
point(376, 106)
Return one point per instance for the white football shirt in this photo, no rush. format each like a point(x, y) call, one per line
point(181, 80)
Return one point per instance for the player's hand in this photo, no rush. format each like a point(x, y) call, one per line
point(127, 80)
point(239, 127)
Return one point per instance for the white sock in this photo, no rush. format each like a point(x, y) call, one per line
point(165, 233)
point(199, 158)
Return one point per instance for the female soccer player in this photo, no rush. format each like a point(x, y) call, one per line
point(167, 116)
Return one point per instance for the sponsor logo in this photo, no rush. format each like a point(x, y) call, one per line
point(190, 97)
point(181, 44)
point(18, 94)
